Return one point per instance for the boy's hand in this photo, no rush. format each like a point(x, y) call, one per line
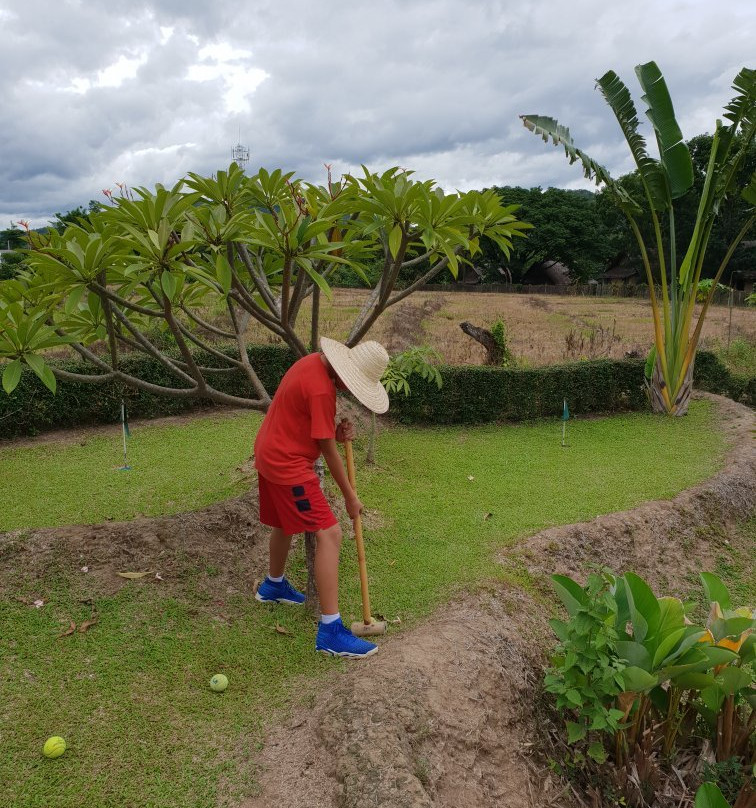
point(345, 430)
point(353, 506)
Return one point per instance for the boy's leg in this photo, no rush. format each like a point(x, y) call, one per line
point(280, 543)
point(327, 568)
point(333, 638)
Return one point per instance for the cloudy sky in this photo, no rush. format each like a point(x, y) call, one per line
point(95, 92)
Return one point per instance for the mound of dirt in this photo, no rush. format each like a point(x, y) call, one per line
point(442, 717)
point(226, 537)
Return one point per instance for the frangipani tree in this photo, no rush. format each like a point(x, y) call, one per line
point(665, 179)
point(250, 247)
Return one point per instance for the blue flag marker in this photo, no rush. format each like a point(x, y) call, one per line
point(126, 434)
point(565, 417)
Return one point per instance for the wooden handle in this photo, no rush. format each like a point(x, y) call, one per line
point(357, 522)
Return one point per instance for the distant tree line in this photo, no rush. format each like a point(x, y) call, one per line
point(581, 229)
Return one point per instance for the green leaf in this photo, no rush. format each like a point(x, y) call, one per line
point(570, 593)
point(223, 268)
point(168, 282)
point(634, 653)
point(637, 680)
point(597, 752)
point(619, 99)
point(12, 376)
point(573, 697)
point(675, 156)
point(694, 681)
point(38, 365)
point(715, 590)
point(709, 796)
point(575, 732)
point(718, 656)
point(395, 240)
point(733, 679)
point(644, 607)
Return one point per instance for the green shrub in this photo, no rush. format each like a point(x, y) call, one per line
point(501, 338)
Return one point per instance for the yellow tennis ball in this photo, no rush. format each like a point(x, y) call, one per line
point(54, 747)
point(218, 683)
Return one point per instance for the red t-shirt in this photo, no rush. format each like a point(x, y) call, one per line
point(303, 411)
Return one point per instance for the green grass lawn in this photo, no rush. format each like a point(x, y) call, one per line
point(131, 696)
point(173, 469)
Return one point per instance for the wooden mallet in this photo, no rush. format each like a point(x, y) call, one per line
point(368, 626)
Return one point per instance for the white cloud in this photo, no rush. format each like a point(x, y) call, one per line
point(144, 91)
point(113, 75)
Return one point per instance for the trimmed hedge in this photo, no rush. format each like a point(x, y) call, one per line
point(475, 394)
point(470, 394)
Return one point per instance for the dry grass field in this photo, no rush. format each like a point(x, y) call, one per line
point(541, 329)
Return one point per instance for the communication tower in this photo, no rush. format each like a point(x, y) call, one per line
point(240, 154)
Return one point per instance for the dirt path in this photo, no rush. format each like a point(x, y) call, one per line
point(448, 714)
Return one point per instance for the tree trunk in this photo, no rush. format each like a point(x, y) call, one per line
point(682, 400)
point(494, 354)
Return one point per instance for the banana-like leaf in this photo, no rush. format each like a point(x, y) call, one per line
point(618, 97)
point(550, 128)
point(674, 153)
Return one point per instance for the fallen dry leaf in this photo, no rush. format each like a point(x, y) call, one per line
point(133, 575)
point(487, 517)
point(392, 562)
point(281, 630)
point(70, 630)
point(87, 624)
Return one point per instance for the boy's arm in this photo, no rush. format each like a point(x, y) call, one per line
point(332, 457)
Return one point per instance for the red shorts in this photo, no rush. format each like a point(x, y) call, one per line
point(294, 509)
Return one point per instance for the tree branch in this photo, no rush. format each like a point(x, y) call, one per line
point(240, 341)
point(149, 348)
point(207, 326)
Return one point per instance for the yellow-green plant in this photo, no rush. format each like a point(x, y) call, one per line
point(665, 179)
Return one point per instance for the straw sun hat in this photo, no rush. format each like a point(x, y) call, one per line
point(361, 369)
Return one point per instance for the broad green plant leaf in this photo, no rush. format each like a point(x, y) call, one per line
point(674, 154)
point(715, 590)
point(636, 680)
point(572, 595)
point(12, 376)
point(709, 796)
point(40, 367)
point(645, 611)
point(618, 97)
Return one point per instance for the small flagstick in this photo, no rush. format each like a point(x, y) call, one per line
point(125, 431)
point(565, 416)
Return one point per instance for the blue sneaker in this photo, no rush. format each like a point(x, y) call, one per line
point(279, 592)
point(335, 639)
